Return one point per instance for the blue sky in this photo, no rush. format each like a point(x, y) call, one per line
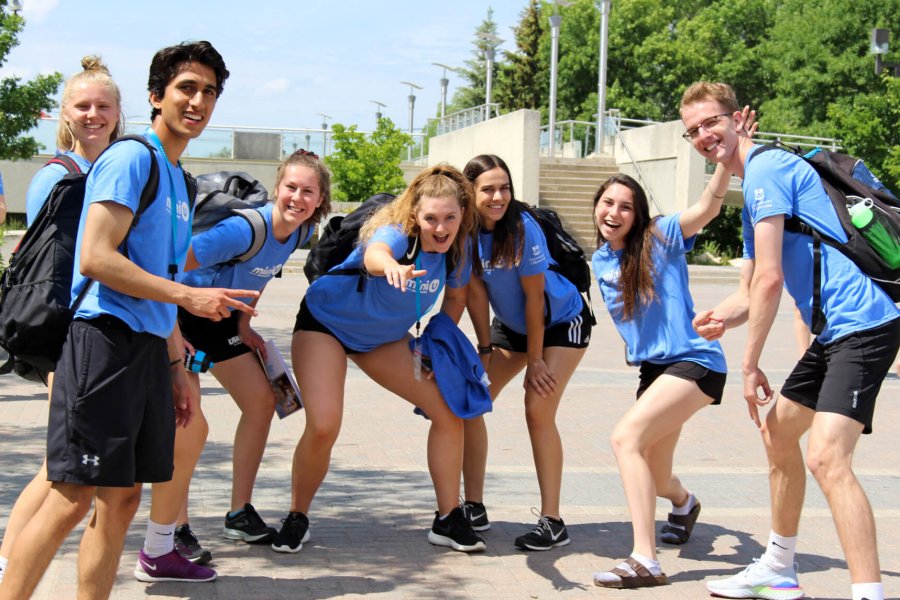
point(288, 60)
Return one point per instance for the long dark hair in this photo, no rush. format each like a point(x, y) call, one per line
point(636, 272)
point(508, 231)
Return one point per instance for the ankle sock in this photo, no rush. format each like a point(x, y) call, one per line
point(160, 539)
point(688, 506)
point(780, 551)
point(867, 591)
point(235, 513)
point(652, 565)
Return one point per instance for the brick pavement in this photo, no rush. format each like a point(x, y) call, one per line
point(371, 515)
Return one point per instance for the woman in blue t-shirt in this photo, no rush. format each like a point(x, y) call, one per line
point(302, 196)
point(641, 270)
point(90, 118)
point(407, 251)
point(541, 323)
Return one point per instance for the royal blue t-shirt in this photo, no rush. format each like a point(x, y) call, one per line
point(43, 181)
point(119, 176)
point(504, 286)
point(660, 332)
point(780, 183)
point(380, 313)
point(230, 238)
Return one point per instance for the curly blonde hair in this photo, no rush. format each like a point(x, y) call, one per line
point(93, 71)
point(439, 181)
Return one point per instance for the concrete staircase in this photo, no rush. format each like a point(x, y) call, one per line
point(567, 185)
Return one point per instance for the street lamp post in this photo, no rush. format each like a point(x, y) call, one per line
point(603, 6)
point(324, 133)
point(378, 107)
point(412, 108)
point(15, 6)
point(555, 21)
point(444, 83)
point(492, 41)
point(880, 41)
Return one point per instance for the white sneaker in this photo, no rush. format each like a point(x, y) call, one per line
point(758, 580)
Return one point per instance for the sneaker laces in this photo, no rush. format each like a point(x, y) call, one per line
point(252, 516)
point(186, 536)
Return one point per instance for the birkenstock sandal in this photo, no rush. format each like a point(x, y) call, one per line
point(636, 576)
point(678, 530)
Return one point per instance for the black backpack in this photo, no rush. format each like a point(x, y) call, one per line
point(36, 289)
point(228, 193)
point(847, 181)
point(339, 236)
point(570, 259)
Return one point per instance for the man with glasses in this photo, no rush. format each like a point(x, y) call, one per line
point(831, 392)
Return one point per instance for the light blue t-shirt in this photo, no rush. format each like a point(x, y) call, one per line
point(780, 183)
point(380, 313)
point(660, 332)
point(119, 176)
point(43, 181)
point(230, 238)
point(504, 285)
point(1, 184)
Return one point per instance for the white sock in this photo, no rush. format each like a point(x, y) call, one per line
point(688, 506)
point(780, 552)
point(652, 565)
point(160, 539)
point(867, 591)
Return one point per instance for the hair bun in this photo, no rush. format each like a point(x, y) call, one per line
point(94, 63)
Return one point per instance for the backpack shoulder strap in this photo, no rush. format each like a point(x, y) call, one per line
point(67, 162)
point(148, 193)
point(258, 234)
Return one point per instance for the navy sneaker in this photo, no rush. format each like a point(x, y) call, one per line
point(248, 526)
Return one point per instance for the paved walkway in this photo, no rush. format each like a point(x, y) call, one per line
point(371, 516)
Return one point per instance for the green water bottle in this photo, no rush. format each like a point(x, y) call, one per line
point(882, 238)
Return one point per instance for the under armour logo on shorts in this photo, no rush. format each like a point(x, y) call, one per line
point(94, 460)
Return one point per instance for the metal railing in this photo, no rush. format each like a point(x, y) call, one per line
point(467, 117)
point(236, 142)
point(637, 168)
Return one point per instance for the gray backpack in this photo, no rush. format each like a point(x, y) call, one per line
point(228, 193)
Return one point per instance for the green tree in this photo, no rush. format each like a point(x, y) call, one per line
point(363, 167)
point(474, 70)
point(21, 102)
point(522, 80)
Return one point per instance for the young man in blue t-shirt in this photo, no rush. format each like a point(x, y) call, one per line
point(119, 388)
point(831, 392)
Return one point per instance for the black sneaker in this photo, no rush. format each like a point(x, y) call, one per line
point(187, 545)
point(294, 533)
point(476, 514)
point(248, 526)
point(549, 533)
point(455, 532)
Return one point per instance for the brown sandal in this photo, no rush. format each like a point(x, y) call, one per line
point(641, 577)
point(684, 525)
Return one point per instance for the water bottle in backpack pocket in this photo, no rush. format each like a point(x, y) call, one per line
point(878, 230)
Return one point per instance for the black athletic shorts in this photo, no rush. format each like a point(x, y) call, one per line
point(571, 334)
point(711, 383)
point(844, 377)
point(307, 322)
point(218, 339)
point(112, 422)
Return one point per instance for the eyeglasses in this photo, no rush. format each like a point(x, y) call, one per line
point(706, 125)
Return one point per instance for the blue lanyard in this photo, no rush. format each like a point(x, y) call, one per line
point(177, 257)
point(418, 298)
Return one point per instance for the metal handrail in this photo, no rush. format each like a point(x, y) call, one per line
point(644, 183)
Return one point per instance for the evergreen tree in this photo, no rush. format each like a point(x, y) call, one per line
point(20, 103)
point(474, 72)
point(522, 79)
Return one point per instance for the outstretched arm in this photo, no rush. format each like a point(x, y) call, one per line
point(379, 262)
point(731, 312)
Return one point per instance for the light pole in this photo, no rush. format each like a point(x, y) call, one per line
point(603, 6)
point(491, 43)
point(324, 133)
point(15, 6)
point(444, 83)
point(412, 107)
point(555, 21)
point(880, 41)
point(378, 107)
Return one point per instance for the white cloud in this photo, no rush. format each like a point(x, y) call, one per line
point(278, 85)
point(36, 11)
